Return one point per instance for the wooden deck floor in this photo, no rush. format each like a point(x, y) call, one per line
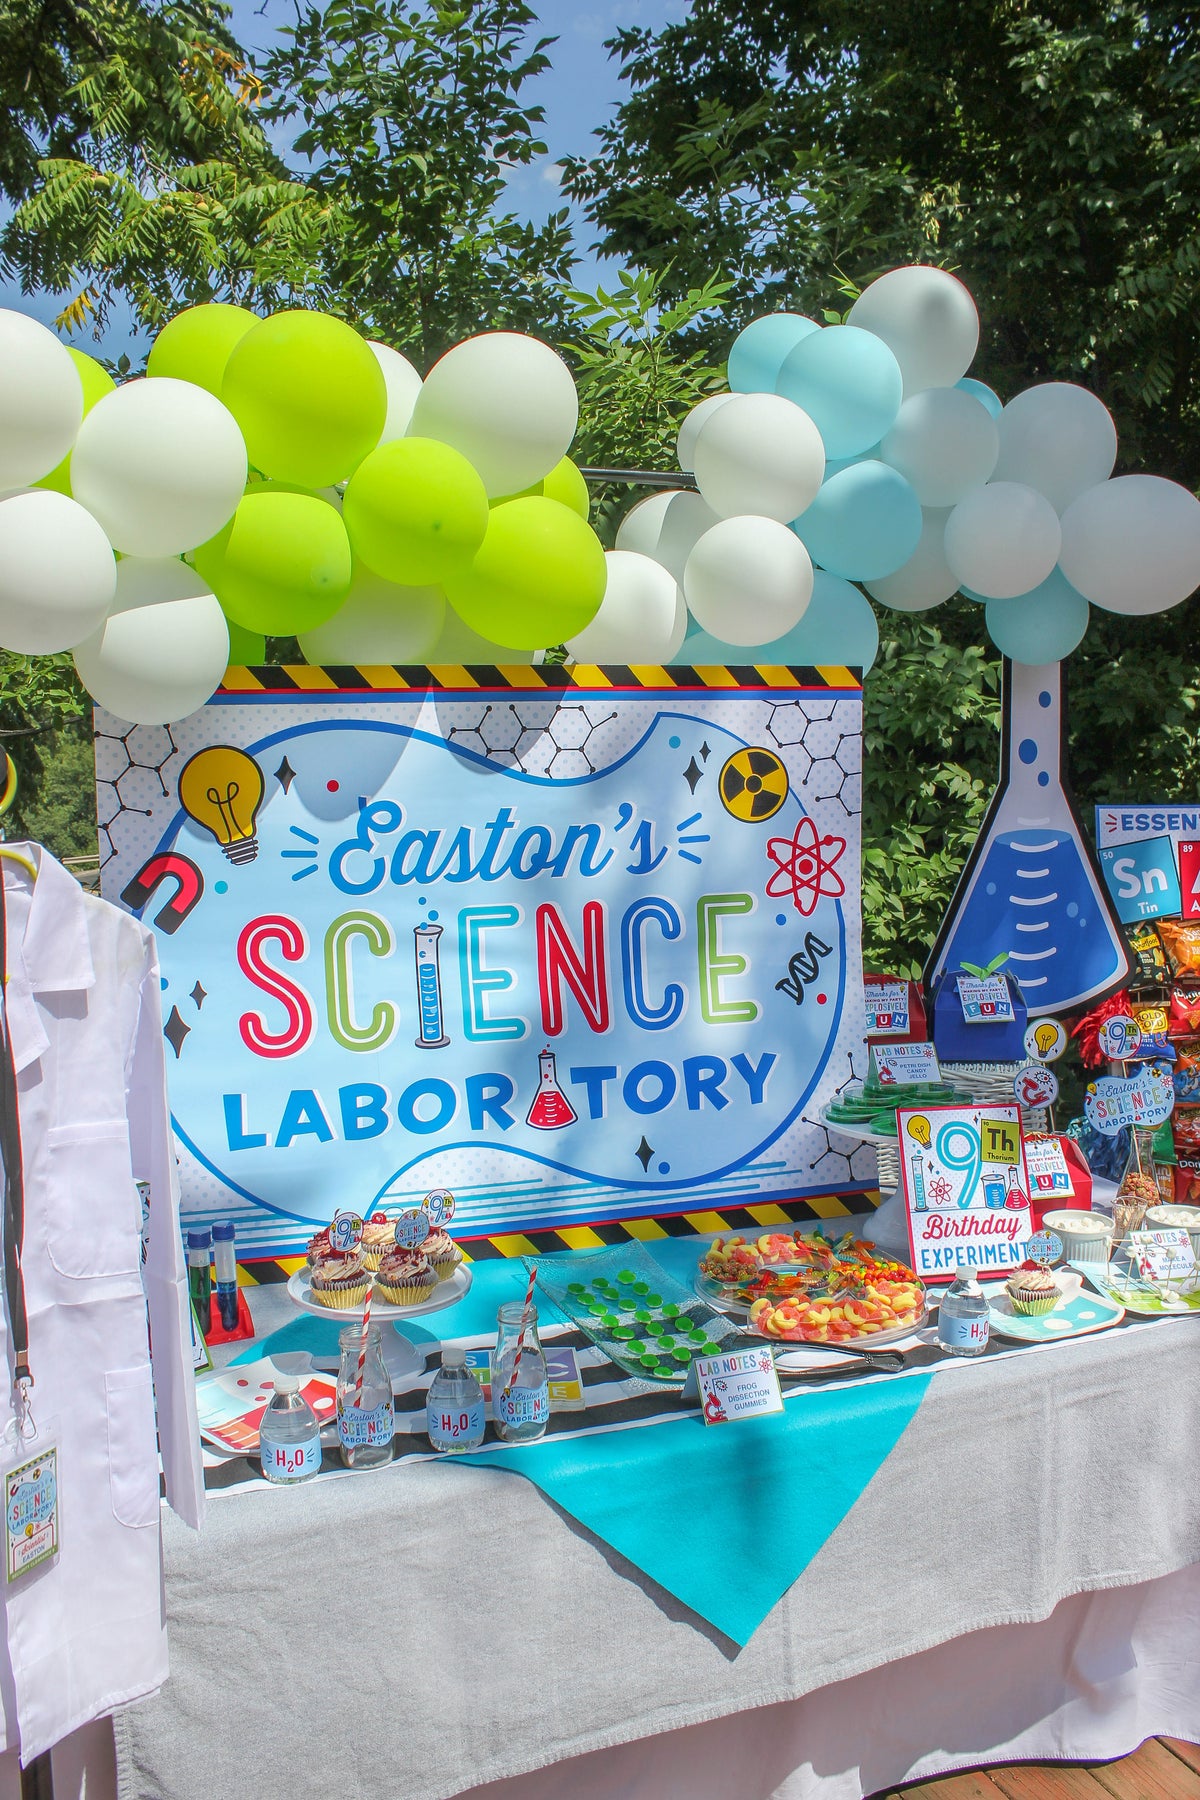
point(1163, 1769)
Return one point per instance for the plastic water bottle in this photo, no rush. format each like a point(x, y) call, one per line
point(289, 1437)
point(963, 1324)
point(454, 1412)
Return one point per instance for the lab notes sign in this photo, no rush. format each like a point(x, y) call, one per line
point(572, 946)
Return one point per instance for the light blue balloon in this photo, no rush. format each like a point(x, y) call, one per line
point(849, 384)
point(847, 462)
point(838, 629)
point(1042, 626)
point(983, 392)
point(758, 352)
point(864, 523)
point(970, 594)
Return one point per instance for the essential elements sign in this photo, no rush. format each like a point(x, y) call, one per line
point(575, 950)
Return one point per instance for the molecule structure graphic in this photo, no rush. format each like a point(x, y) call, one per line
point(841, 1168)
point(129, 776)
point(826, 755)
point(539, 737)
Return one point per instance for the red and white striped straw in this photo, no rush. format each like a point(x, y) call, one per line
point(362, 1351)
point(511, 1383)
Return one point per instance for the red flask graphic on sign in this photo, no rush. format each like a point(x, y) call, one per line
point(551, 1109)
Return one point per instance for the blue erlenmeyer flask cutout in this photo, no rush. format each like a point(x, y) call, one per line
point(1031, 888)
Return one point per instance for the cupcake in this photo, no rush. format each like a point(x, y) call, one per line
point(379, 1234)
point(320, 1247)
point(1033, 1291)
point(405, 1277)
point(339, 1281)
point(442, 1251)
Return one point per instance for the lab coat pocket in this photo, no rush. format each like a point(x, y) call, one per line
point(93, 1201)
point(132, 1446)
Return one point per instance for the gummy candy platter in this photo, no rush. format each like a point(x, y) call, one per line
point(642, 1319)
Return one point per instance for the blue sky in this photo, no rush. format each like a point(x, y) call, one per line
point(579, 92)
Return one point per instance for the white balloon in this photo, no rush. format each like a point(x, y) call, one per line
point(41, 400)
point(928, 320)
point(162, 650)
point(403, 384)
point(378, 623)
point(506, 402)
point(760, 454)
point(639, 617)
point(665, 527)
point(944, 443)
point(1058, 439)
point(161, 464)
point(58, 574)
point(748, 580)
point(926, 579)
point(689, 431)
point(1132, 545)
point(457, 644)
point(1002, 540)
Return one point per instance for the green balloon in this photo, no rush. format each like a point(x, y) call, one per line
point(416, 511)
point(196, 344)
point(309, 396)
point(96, 382)
point(564, 483)
point(281, 565)
point(538, 578)
point(247, 649)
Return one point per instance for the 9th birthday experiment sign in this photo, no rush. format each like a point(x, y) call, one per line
point(576, 955)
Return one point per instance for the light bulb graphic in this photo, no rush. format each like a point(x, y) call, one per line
point(918, 1128)
point(1045, 1037)
point(222, 790)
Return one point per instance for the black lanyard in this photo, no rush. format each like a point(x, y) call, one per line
point(14, 1177)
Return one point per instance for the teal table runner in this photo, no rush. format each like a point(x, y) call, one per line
point(726, 1518)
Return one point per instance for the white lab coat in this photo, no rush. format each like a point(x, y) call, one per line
point(88, 1633)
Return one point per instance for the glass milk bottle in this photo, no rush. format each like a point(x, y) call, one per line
point(366, 1422)
point(520, 1406)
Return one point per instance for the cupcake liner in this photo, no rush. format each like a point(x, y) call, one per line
point(1033, 1305)
point(404, 1296)
point(340, 1296)
point(444, 1266)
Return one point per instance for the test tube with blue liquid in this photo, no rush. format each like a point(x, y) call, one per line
point(429, 988)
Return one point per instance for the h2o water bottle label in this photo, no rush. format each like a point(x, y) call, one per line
point(291, 1462)
point(963, 1331)
point(522, 1405)
point(451, 1425)
point(355, 1426)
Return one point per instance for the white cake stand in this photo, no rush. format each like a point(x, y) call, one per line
point(402, 1359)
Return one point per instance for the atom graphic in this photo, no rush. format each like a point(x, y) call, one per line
point(803, 869)
point(940, 1190)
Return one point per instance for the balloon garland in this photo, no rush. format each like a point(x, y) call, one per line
point(287, 476)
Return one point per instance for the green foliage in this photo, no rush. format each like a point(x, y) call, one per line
point(57, 807)
point(930, 738)
point(411, 118)
point(640, 367)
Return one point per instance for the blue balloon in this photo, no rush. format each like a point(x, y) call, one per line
point(1041, 626)
point(970, 594)
point(847, 462)
point(838, 628)
point(865, 522)
point(758, 352)
point(849, 384)
point(983, 392)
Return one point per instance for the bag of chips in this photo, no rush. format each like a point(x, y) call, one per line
point(1181, 938)
point(1184, 1012)
point(1149, 958)
point(1187, 1181)
point(1187, 1074)
point(1185, 1130)
point(1152, 1022)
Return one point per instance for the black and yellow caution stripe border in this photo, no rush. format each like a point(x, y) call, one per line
point(287, 681)
point(749, 1220)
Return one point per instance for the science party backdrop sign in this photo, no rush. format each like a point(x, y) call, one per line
point(576, 948)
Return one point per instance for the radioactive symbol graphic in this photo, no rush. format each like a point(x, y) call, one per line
point(753, 785)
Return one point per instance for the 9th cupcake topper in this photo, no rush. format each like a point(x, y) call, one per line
point(439, 1205)
point(412, 1228)
point(345, 1232)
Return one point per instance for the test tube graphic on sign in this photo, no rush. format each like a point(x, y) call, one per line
point(429, 988)
point(551, 1109)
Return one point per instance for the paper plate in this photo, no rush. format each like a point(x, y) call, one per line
point(444, 1294)
point(1070, 1318)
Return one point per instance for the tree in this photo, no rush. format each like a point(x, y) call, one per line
point(1047, 155)
point(133, 154)
point(412, 117)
